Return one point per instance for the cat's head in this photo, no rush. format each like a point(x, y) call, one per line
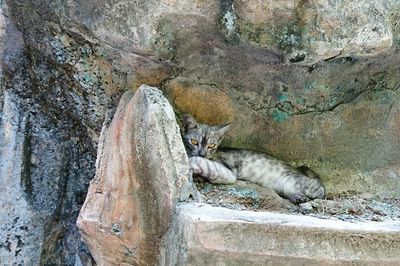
point(200, 139)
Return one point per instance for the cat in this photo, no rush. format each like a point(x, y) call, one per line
point(226, 165)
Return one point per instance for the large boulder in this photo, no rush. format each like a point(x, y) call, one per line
point(142, 173)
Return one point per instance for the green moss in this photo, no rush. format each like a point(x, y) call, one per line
point(289, 37)
point(257, 34)
point(382, 96)
point(279, 115)
point(333, 101)
point(99, 51)
point(301, 101)
point(283, 97)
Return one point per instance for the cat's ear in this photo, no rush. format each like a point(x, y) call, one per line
point(189, 123)
point(223, 129)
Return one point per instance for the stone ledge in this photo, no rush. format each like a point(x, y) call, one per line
point(218, 236)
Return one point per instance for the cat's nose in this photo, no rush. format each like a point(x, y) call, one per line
point(203, 153)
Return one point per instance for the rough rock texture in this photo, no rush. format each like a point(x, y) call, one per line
point(243, 195)
point(46, 163)
point(339, 116)
point(312, 31)
point(205, 235)
point(142, 173)
point(353, 209)
point(333, 117)
point(57, 87)
point(311, 82)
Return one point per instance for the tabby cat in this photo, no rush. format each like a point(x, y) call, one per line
point(225, 165)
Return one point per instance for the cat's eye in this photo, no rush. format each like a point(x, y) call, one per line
point(194, 142)
point(211, 146)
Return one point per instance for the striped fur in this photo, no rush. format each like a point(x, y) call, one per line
point(225, 165)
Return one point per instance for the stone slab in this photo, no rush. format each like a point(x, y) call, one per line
point(218, 236)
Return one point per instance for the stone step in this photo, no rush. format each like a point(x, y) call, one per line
point(207, 235)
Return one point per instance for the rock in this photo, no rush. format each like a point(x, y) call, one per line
point(299, 113)
point(46, 162)
point(207, 103)
point(206, 235)
point(352, 209)
point(243, 195)
point(40, 202)
point(313, 31)
point(310, 82)
point(306, 207)
point(18, 239)
point(142, 173)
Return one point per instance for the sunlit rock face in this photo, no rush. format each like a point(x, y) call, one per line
point(310, 82)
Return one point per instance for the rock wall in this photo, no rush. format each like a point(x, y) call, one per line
point(311, 82)
point(47, 161)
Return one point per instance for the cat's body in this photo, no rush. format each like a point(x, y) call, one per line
point(225, 165)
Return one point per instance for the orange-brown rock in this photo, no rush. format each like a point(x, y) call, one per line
point(142, 172)
point(209, 104)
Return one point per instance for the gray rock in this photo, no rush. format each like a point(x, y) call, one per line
point(19, 240)
point(243, 195)
point(315, 31)
point(306, 207)
point(206, 235)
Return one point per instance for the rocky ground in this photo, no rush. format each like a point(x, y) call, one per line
point(346, 207)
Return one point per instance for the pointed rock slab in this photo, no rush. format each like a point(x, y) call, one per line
point(142, 172)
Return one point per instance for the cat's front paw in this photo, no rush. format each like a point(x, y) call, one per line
point(194, 165)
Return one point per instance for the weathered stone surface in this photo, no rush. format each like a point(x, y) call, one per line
point(313, 116)
point(67, 63)
point(17, 244)
point(44, 175)
point(275, 107)
point(311, 31)
point(142, 172)
point(206, 102)
point(205, 235)
point(353, 208)
point(46, 162)
point(243, 195)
